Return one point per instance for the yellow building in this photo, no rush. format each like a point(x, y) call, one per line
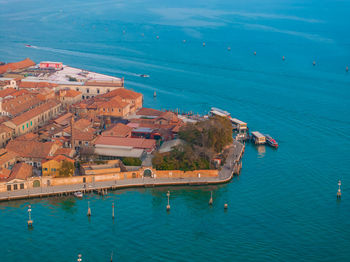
point(51, 167)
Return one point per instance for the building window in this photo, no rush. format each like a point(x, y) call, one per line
point(15, 187)
point(87, 90)
point(21, 186)
point(77, 89)
point(27, 125)
point(83, 97)
point(120, 110)
point(107, 90)
point(45, 169)
point(86, 143)
point(53, 169)
point(31, 123)
point(98, 91)
point(8, 187)
point(23, 127)
point(87, 97)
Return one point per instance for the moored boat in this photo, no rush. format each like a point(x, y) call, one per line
point(144, 75)
point(78, 194)
point(271, 142)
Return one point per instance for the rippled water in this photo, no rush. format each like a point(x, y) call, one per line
point(283, 206)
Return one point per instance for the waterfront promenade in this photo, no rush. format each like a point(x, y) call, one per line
point(231, 167)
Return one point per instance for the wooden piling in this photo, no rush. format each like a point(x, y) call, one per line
point(89, 210)
point(211, 198)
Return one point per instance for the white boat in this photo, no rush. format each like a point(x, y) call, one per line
point(144, 75)
point(78, 194)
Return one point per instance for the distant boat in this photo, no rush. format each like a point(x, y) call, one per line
point(78, 194)
point(144, 75)
point(28, 46)
point(154, 94)
point(271, 142)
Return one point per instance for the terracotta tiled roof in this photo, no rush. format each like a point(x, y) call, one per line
point(140, 143)
point(82, 124)
point(20, 104)
point(115, 102)
point(4, 173)
point(87, 134)
point(5, 129)
point(34, 112)
point(119, 130)
point(70, 93)
point(17, 65)
point(27, 137)
point(6, 156)
point(65, 151)
point(31, 149)
point(7, 92)
point(30, 84)
point(63, 119)
point(123, 93)
point(21, 171)
point(59, 158)
point(20, 92)
point(148, 112)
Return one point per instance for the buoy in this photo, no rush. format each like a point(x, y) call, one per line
point(347, 69)
point(283, 58)
point(339, 190)
point(229, 49)
point(254, 52)
point(225, 206)
point(211, 198)
point(314, 63)
point(203, 43)
point(89, 210)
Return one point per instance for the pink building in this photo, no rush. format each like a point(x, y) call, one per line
point(51, 65)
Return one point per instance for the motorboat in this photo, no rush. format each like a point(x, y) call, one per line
point(78, 194)
point(144, 75)
point(271, 142)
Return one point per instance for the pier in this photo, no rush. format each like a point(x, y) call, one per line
point(231, 167)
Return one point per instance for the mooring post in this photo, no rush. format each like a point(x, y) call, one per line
point(89, 210)
point(113, 210)
point(168, 206)
point(339, 190)
point(225, 206)
point(211, 198)
point(30, 221)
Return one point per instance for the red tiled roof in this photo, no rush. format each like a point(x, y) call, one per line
point(27, 84)
point(115, 102)
point(7, 92)
point(127, 142)
point(30, 149)
point(21, 171)
point(60, 158)
point(148, 112)
point(17, 65)
point(70, 93)
point(34, 112)
point(65, 151)
point(119, 130)
point(123, 93)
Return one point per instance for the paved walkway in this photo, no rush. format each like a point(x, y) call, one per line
point(225, 175)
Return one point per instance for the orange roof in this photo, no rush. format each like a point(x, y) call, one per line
point(123, 93)
point(63, 119)
point(7, 92)
point(20, 104)
point(82, 124)
point(119, 130)
point(6, 156)
point(4, 173)
point(148, 112)
point(25, 84)
point(21, 171)
point(70, 93)
point(59, 158)
point(126, 141)
point(115, 102)
point(34, 112)
point(27, 137)
point(30, 149)
point(65, 151)
point(17, 65)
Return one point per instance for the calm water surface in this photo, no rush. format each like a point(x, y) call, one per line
point(283, 206)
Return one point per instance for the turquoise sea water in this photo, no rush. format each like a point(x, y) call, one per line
point(283, 206)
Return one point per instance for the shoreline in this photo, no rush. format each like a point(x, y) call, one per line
point(232, 167)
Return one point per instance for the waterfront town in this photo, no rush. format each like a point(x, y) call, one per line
point(64, 129)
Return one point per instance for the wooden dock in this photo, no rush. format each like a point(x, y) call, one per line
point(231, 167)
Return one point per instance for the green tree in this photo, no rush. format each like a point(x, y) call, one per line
point(67, 169)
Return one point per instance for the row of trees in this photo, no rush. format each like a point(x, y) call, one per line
point(203, 141)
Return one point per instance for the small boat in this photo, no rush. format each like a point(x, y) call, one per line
point(154, 94)
point(144, 75)
point(271, 142)
point(28, 45)
point(78, 194)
